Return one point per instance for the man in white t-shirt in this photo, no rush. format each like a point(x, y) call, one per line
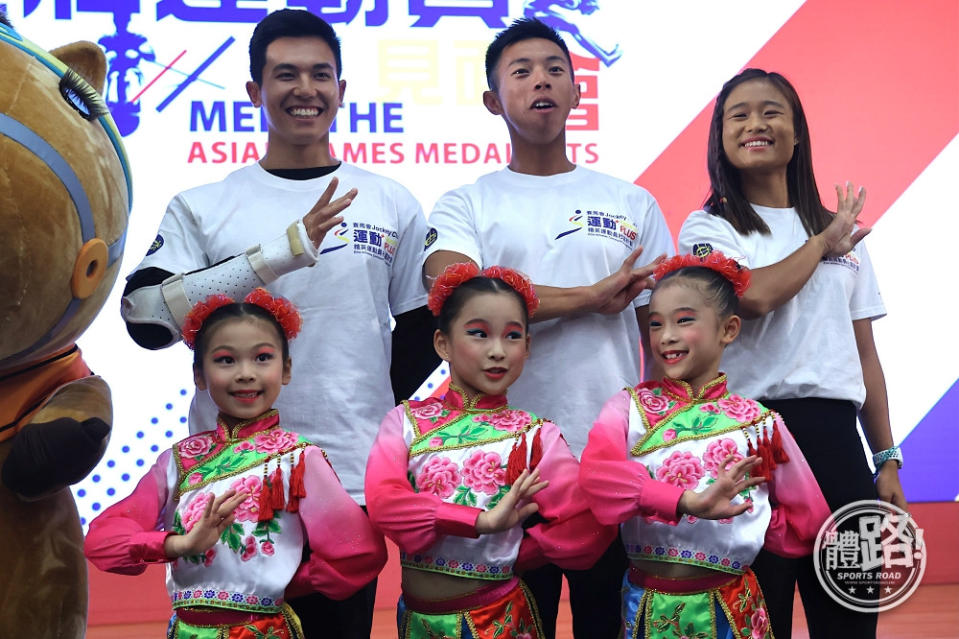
point(250, 230)
point(577, 234)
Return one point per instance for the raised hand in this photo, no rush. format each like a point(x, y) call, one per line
point(616, 291)
point(715, 502)
point(217, 517)
point(842, 235)
point(514, 507)
point(325, 214)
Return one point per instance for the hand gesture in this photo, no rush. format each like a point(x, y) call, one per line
point(217, 517)
point(514, 507)
point(716, 501)
point(841, 235)
point(324, 214)
point(615, 292)
point(889, 488)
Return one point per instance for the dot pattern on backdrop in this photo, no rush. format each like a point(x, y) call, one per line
point(131, 452)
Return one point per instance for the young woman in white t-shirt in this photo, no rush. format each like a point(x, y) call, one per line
point(807, 351)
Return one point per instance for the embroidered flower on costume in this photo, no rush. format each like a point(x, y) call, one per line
point(428, 411)
point(739, 408)
point(652, 402)
point(249, 549)
point(242, 446)
point(436, 442)
point(682, 469)
point(196, 446)
point(249, 508)
point(267, 548)
point(274, 440)
point(439, 476)
point(716, 452)
point(208, 557)
point(669, 434)
point(194, 478)
point(760, 623)
point(194, 510)
point(710, 408)
point(509, 420)
point(484, 472)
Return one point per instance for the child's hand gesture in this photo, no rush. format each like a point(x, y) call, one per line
point(217, 517)
point(508, 512)
point(715, 501)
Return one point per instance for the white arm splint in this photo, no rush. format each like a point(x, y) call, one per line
point(168, 303)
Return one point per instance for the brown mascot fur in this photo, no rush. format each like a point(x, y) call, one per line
point(64, 201)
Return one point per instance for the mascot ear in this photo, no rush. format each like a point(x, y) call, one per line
point(85, 58)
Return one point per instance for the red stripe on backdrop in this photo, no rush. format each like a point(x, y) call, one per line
point(879, 81)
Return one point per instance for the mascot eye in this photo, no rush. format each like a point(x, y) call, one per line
point(81, 96)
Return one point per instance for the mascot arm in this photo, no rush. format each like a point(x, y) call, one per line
point(126, 536)
point(63, 440)
point(155, 312)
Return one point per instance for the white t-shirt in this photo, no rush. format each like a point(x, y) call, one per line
point(571, 229)
point(806, 347)
point(368, 268)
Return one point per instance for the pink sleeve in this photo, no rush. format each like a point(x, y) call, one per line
point(413, 520)
point(128, 535)
point(618, 488)
point(346, 553)
point(571, 537)
point(799, 509)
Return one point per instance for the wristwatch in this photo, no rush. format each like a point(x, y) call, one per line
point(883, 456)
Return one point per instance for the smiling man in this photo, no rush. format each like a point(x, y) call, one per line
point(262, 224)
point(577, 234)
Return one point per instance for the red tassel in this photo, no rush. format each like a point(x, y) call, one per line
point(277, 500)
point(265, 509)
point(536, 456)
point(761, 469)
point(517, 460)
point(778, 451)
point(297, 487)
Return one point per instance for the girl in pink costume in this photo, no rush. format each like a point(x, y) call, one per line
point(690, 575)
point(230, 510)
point(452, 480)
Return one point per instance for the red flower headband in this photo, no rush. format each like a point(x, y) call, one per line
point(280, 308)
point(729, 268)
point(456, 274)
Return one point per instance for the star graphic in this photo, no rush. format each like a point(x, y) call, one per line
point(869, 590)
point(852, 590)
point(888, 589)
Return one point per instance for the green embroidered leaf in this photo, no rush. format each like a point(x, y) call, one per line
point(497, 497)
point(178, 524)
point(233, 537)
point(464, 497)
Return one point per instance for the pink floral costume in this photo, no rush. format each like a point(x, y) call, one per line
point(434, 467)
point(664, 431)
point(295, 499)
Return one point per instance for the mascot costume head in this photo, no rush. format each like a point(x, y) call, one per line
point(64, 202)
